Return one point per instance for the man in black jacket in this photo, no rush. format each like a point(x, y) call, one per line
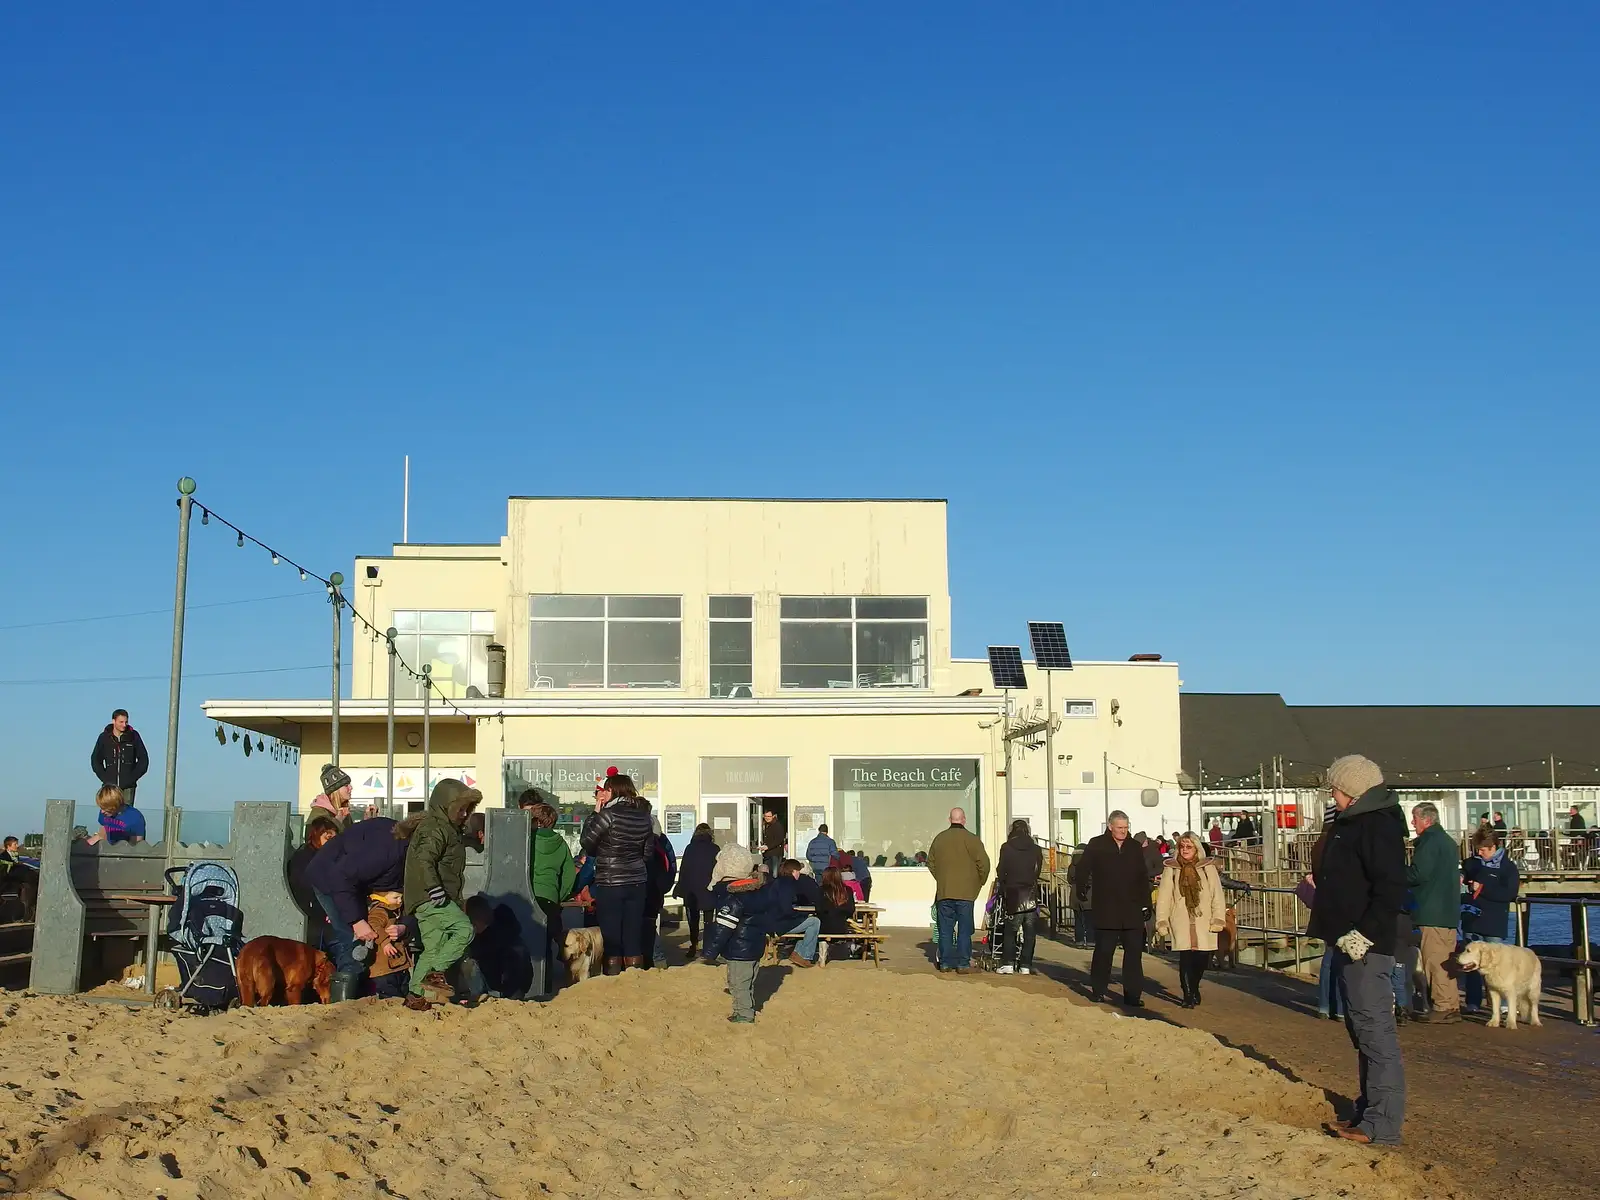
point(1114, 873)
point(1016, 878)
point(1361, 888)
point(368, 857)
point(119, 758)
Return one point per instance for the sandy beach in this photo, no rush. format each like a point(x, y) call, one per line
point(854, 1082)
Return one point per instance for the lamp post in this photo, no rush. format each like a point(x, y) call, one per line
point(388, 791)
point(169, 795)
point(335, 581)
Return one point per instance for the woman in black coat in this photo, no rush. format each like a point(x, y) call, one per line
point(694, 881)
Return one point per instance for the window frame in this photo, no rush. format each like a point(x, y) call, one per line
point(1068, 714)
point(974, 817)
point(604, 620)
point(713, 620)
point(853, 622)
point(416, 633)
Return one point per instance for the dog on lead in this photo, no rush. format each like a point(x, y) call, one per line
point(583, 950)
point(1511, 975)
point(275, 970)
point(1227, 952)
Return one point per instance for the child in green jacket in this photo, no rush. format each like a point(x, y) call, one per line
point(553, 877)
point(436, 865)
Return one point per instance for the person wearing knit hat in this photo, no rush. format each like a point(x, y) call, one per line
point(334, 802)
point(1360, 891)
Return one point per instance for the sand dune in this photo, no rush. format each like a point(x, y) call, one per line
point(853, 1082)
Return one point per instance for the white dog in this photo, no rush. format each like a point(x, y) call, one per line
point(1510, 974)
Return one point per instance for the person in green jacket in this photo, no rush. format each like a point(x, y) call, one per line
point(1435, 880)
point(553, 876)
point(960, 867)
point(436, 865)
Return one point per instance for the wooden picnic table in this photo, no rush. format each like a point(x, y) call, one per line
point(865, 931)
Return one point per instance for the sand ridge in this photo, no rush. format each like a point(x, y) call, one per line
point(853, 1082)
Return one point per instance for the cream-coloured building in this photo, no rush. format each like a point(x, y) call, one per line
point(732, 656)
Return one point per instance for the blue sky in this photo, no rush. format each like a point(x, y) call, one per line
point(1256, 335)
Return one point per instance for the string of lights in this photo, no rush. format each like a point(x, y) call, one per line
point(242, 536)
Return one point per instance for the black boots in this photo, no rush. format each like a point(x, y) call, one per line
point(343, 987)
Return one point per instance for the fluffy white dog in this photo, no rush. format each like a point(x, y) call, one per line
point(1511, 975)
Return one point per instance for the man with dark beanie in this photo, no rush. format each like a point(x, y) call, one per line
point(1361, 888)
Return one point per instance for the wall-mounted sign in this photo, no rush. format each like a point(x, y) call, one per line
point(904, 774)
point(744, 776)
point(373, 785)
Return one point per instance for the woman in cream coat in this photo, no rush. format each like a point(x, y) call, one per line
point(1191, 911)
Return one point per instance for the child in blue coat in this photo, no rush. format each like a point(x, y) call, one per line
point(742, 917)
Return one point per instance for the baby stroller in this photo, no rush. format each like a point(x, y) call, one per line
point(204, 933)
point(992, 941)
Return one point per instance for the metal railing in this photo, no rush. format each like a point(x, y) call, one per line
point(1252, 899)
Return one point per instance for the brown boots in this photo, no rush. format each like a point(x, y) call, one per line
point(613, 966)
point(633, 962)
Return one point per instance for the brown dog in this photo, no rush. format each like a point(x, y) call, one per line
point(274, 970)
point(1227, 955)
point(582, 950)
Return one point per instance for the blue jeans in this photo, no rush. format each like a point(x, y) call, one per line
point(1473, 979)
point(955, 933)
point(341, 940)
point(808, 930)
point(1400, 981)
point(1329, 1001)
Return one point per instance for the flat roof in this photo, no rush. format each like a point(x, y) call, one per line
point(756, 499)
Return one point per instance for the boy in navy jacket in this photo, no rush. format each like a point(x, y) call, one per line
point(742, 917)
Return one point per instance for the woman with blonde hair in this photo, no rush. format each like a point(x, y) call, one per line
point(1190, 911)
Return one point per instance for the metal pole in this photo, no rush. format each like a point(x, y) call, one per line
point(388, 790)
point(427, 695)
point(169, 795)
point(1006, 742)
point(337, 601)
point(1050, 759)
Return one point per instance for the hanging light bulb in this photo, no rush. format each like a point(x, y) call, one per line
point(240, 542)
point(274, 558)
point(205, 516)
point(302, 574)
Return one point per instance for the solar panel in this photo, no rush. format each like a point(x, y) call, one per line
point(1049, 640)
point(1005, 668)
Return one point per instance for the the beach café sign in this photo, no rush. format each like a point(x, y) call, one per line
point(904, 774)
point(576, 777)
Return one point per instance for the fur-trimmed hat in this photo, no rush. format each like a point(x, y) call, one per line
point(733, 862)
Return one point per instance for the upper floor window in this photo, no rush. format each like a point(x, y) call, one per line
point(454, 644)
point(605, 641)
point(1080, 708)
point(732, 647)
point(853, 641)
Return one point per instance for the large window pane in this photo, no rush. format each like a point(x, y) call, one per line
point(645, 606)
point(568, 654)
point(891, 608)
point(446, 622)
point(891, 655)
point(568, 606)
point(567, 784)
point(450, 661)
point(644, 654)
point(405, 621)
point(732, 657)
point(892, 809)
point(814, 606)
point(815, 655)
